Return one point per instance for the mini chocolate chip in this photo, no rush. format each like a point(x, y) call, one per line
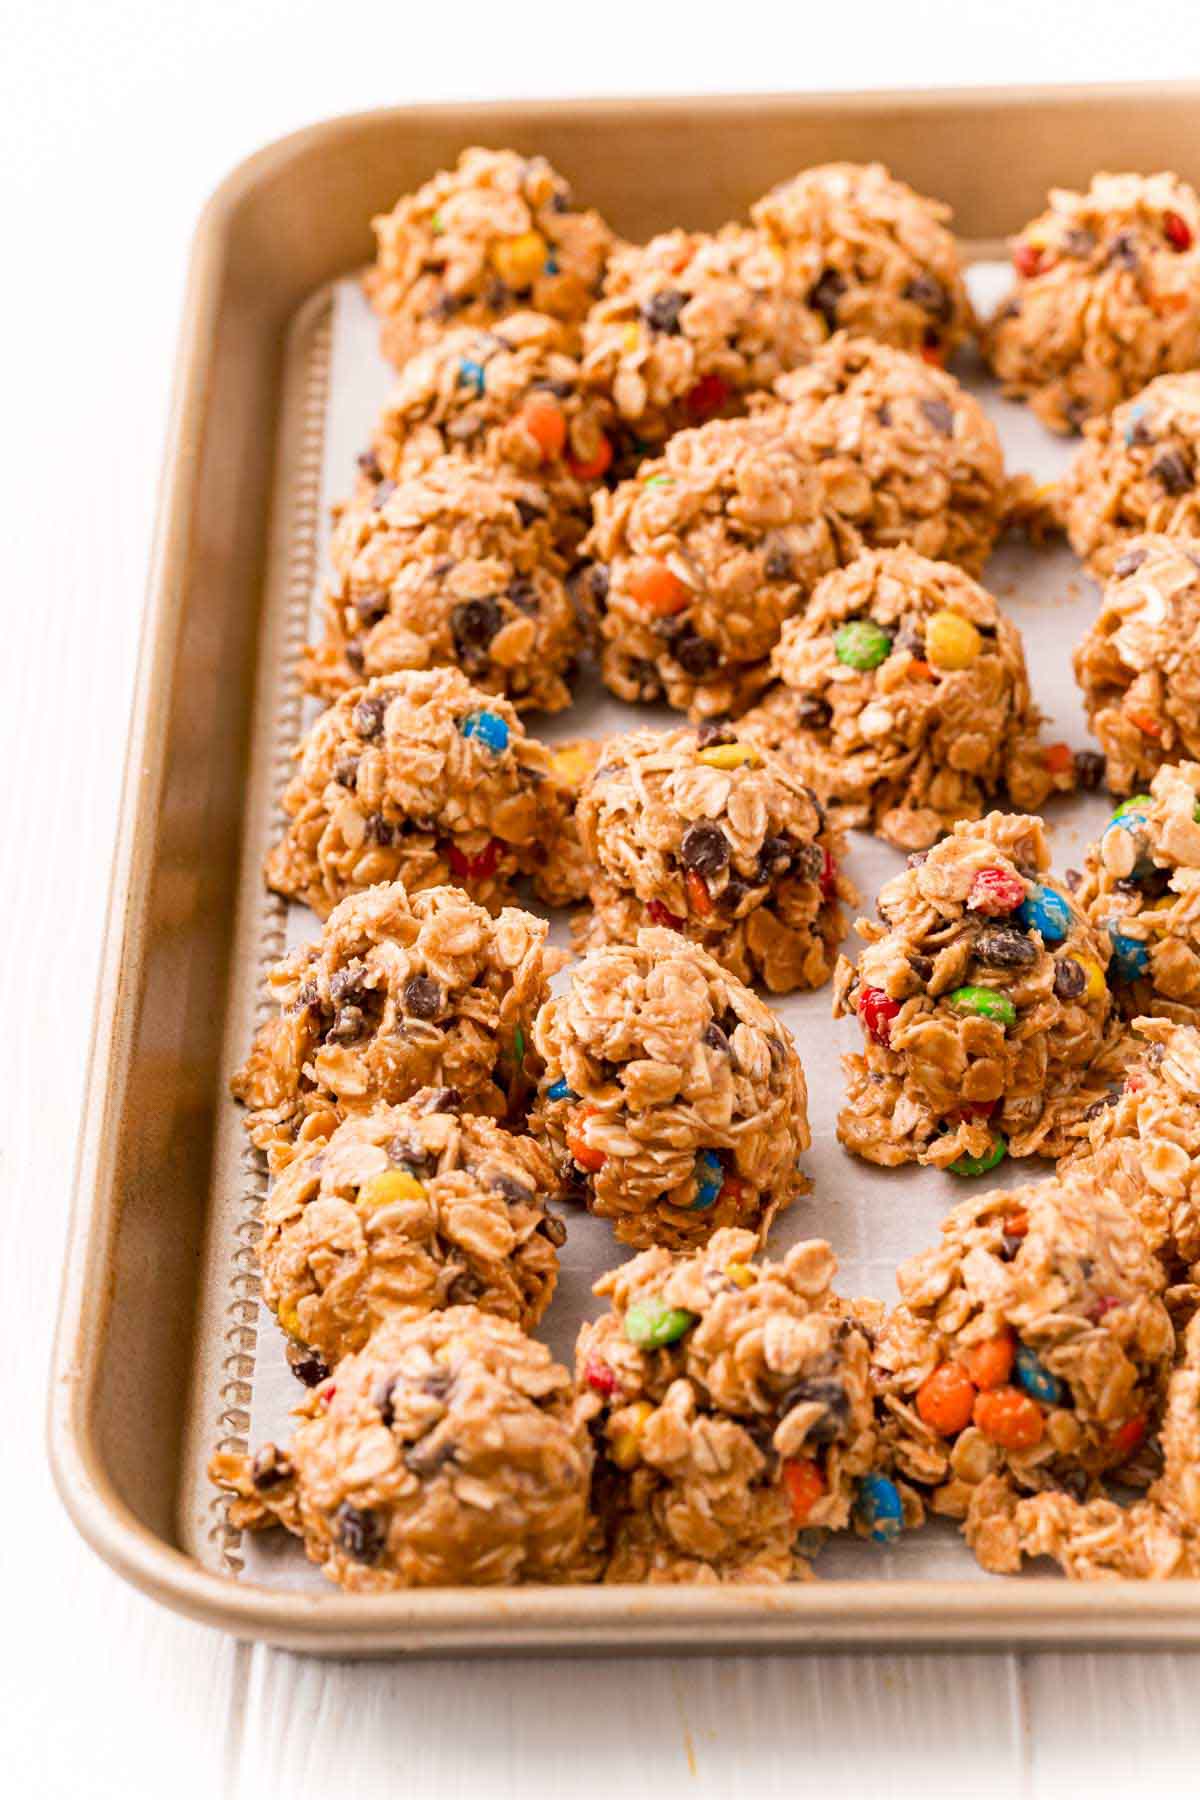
point(715, 1038)
point(810, 862)
point(1009, 1246)
point(442, 1099)
point(383, 493)
point(379, 830)
point(359, 1532)
point(422, 996)
point(523, 595)
point(940, 416)
point(346, 983)
point(553, 1229)
point(1069, 979)
point(562, 390)
point(519, 1192)
point(1101, 1106)
point(734, 892)
point(911, 641)
point(1122, 252)
point(1079, 241)
point(348, 1025)
point(661, 311)
point(927, 292)
point(499, 294)
point(1089, 769)
point(1003, 947)
point(355, 654)
point(381, 1398)
point(1130, 562)
point(883, 413)
point(1171, 472)
point(820, 1391)
point(824, 295)
point(778, 564)
point(368, 462)
point(714, 731)
point(561, 203)
point(812, 712)
point(367, 717)
point(371, 607)
point(530, 511)
point(916, 858)
point(446, 305)
point(697, 656)
point(704, 848)
point(775, 857)
point(596, 577)
point(306, 1365)
point(1073, 1482)
point(645, 678)
point(921, 966)
point(344, 772)
point(473, 625)
point(269, 1468)
point(1077, 413)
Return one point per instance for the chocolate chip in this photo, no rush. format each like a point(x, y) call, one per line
point(645, 678)
point(714, 731)
point(422, 997)
point(775, 857)
point(562, 390)
point(1073, 1482)
point(812, 712)
point(446, 305)
point(1009, 1246)
point(1069, 979)
point(911, 641)
point(437, 1384)
point(824, 295)
point(269, 1468)
point(916, 858)
point(821, 1391)
point(661, 311)
point(379, 830)
point(1076, 414)
point(697, 656)
point(347, 982)
point(381, 1398)
point(368, 462)
point(778, 564)
point(940, 416)
point(1172, 473)
point(1004, 947)
point(704, 848)
point(473, 625)
point(883, 413)
point(553, 1229)
point(1101, 1106)
point(1122, 252)
point(359, 1532)
point(1089, 769)
point(1079, 242)
point(367, 717)
point(306, 1365)
point(345, 770)
point(371, 607)
point(927, 292)
point(1130, 562)
point(921, 966)
point(519, 1192)
point(734, 892)
point(523, 595)
point(426, 1458)
point(355, 654)
point(383, 493)
point(715, 1038)
point(349, 1024)
point(443, 1099)
point(596, 578)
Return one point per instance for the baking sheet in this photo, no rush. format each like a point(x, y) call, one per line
point(872, 1217)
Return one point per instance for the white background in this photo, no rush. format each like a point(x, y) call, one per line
point(117, 117)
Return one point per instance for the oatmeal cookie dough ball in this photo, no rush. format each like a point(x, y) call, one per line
point(699, 832)
point(1141, 1143)
point(672, 1097)
point(449, 1452)
point(399, 993)
point(730, 1403)
point(701, 558)
point(1139, 662)
point(495, 235)
point(983, 1005)
point(419, 1206)
point(419, 777)
point(903, 700)
point(1141, 886)
point(689, 324)
point(1135, 474)
point(872, 255)
point(512, 398)
point(1031, 1343)
point(1107, 297)
point(905, 455)
point(444, 572)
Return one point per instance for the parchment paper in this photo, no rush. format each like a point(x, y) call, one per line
point(873, 1217)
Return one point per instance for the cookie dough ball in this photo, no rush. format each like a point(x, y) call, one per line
point(1107, 297)
point(1135, 474)
point(447, 1453)
point(398, 993)
point(872, 255)
point(510, 399)
point(419, 777)
point(420, 1206)
point(905, 455)
point(1141, 886)
point(1139, 663)
point(1031, 1343)
point(983, 1006)
point(1142, 1143)
point(903, 699)
point(673, 1098)
point(701, 833)
point(495, 235)
point(730, 1403)
point(689, 324)
point(445, 573)
point(703, 556)
point(1155, 1539)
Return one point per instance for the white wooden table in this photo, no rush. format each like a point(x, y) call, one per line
point(118, 118)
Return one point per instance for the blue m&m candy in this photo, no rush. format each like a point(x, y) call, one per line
point(880, 1508)
point(1047, 912)
point(710, 1179)
point(471, 374)
point(488, 727)
point(1036, 1379)
point(558, 1090)
point(1130, 957)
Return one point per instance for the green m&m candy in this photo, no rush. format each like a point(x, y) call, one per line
point(861, 644)
point(984, 1003)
